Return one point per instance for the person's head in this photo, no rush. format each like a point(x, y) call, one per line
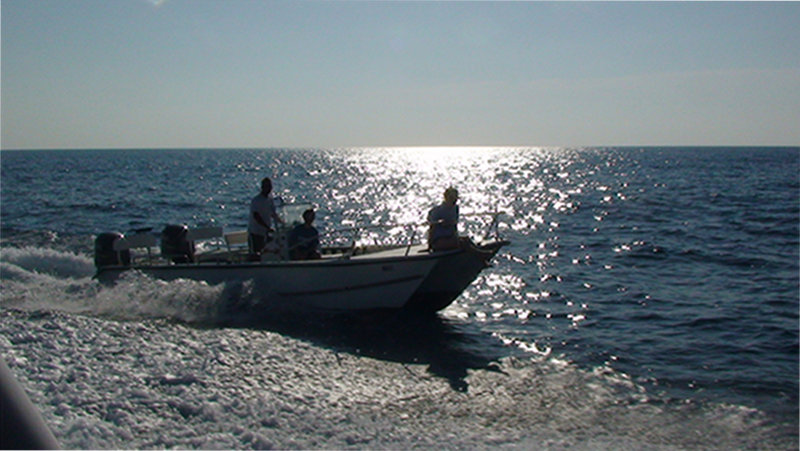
point(266, 186)
point(308, 216)
point(451, 195)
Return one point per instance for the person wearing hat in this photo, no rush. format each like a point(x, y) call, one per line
point(443, 222)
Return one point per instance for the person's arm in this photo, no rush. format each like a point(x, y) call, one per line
point(274, 213)
point(260, 219)
point(433, 216)
point(448, 217)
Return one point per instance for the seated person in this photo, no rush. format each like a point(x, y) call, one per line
point(304, 239)
point(443, 221)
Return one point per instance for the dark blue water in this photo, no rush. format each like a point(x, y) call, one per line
point(674, 267)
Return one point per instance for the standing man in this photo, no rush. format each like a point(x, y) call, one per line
point(262, 215)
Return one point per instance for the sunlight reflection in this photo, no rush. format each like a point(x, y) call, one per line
point(406, 182)
point(537, 189)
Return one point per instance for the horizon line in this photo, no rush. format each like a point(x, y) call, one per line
point(432, 147)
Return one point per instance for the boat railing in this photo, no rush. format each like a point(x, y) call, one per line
point(136, 245)
point(407, 235)
point(213, 244)
point(350, 240)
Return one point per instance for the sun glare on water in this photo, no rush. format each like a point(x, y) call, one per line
point(399, 185)
point(442, 159)
point(416, 177)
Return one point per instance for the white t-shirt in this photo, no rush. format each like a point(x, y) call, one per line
point(265, 206)
point(445, 219)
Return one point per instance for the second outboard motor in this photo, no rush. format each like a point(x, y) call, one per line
point(106, 255)
point(175, 245)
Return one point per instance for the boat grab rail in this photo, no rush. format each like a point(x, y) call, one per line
point(235, 240)
point(492, 230)
point(139, 240)
point(204, 233)
point(412, 230)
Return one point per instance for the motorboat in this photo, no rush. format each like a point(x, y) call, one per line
point(354, 277)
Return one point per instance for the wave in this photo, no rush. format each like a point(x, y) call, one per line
point(34, 279)
point(243, 388)
point(48, 261)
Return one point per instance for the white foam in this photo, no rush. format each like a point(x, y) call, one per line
point(136, 296)
point(48, 261)
point(151, 384)
point(45, 279)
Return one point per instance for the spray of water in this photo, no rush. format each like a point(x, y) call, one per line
point(33, 279)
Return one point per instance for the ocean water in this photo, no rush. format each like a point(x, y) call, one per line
point(648, 300)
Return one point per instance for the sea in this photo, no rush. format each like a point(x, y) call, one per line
point(648, 299)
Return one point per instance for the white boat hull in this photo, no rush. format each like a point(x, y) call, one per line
point(452, 274)
point(363, 284)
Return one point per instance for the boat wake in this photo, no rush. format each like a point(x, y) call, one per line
point(41, 279)
point(349, 381)
point(150, 384)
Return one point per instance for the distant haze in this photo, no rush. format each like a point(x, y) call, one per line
point(238, 73)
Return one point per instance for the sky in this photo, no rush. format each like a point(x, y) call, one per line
point(252, 73)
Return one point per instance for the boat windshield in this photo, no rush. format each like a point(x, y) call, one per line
point(292, 214)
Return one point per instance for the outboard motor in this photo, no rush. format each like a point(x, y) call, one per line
point(175, 245)
point(106, 255)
